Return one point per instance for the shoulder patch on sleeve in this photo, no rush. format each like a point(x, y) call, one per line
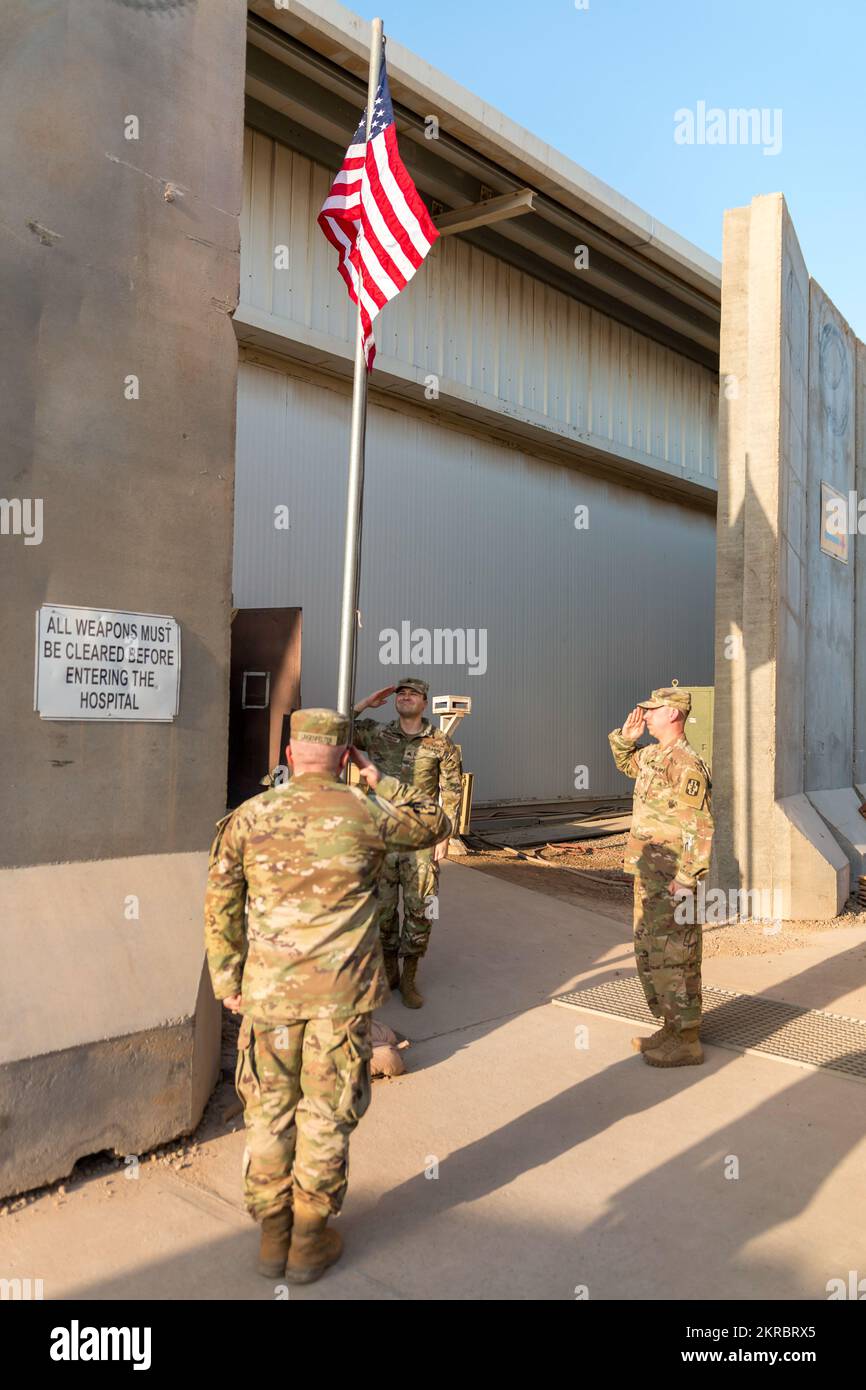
point(693, 786)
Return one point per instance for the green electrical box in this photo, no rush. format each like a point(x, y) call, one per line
point(699, 724)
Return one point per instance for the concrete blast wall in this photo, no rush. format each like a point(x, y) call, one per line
point(119, 257)
point(789, 743)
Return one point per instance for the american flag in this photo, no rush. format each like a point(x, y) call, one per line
point(375, 218)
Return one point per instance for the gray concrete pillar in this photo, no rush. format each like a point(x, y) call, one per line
point(121, 128)
point(787, 662)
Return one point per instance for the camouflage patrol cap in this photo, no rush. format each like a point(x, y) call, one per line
point(413, 683)
point(320, 726)
point(668, 695)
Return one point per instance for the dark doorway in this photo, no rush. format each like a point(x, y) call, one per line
point(265, 687)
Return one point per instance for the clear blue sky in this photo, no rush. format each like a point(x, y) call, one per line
point(602, 86)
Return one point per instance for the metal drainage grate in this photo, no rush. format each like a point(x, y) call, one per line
point(809, 1037)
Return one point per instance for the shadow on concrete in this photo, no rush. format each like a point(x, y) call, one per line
point(792, 1142)
point(681, 1230)
point(504, 949)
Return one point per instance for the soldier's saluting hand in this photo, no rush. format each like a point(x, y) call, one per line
point(635, 725)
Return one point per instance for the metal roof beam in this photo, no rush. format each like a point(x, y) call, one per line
point(483, 213)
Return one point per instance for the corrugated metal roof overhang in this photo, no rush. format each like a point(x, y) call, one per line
point(682, 283)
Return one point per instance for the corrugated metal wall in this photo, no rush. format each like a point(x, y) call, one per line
point(484, 325)
point(464, 533)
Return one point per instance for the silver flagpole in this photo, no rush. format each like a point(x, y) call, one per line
point(355, 497)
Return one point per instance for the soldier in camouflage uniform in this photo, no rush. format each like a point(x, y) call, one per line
point(411, 749)
point(668, 850)
point(292, 944)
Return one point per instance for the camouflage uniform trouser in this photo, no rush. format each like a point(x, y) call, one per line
point(668, 954)
point(419, 878)
point(305, 1086)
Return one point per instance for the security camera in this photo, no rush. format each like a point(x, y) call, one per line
point(452, 704)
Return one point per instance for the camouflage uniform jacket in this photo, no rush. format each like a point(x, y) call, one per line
point(427, 760)
point(303, 860)
point(672, 821)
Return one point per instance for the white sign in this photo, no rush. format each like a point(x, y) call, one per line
point(98, 663)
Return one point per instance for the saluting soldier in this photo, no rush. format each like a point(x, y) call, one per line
point(305, 970)
point(411, 749)
point(668, 851)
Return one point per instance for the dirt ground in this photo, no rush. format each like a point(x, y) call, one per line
point(590, 871)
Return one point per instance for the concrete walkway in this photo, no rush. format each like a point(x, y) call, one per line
point(512, 1164)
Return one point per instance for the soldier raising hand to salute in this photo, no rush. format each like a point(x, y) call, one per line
point(414, 751)
point(668, 850)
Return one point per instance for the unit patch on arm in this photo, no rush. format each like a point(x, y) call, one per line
point(694, 788)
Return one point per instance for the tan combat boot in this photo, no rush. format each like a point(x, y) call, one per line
point(681, 1049)
point(410, 996)
point(392, 969)
point(274, 1243)
point(647, 1044)
point(313, 1247)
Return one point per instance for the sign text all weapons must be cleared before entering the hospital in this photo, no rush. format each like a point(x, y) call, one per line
point(95, 663)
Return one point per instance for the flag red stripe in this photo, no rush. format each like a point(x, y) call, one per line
point(359, 196)
point(391, 269)
point(408, 189)
point(386, 208)
point(372, 289)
